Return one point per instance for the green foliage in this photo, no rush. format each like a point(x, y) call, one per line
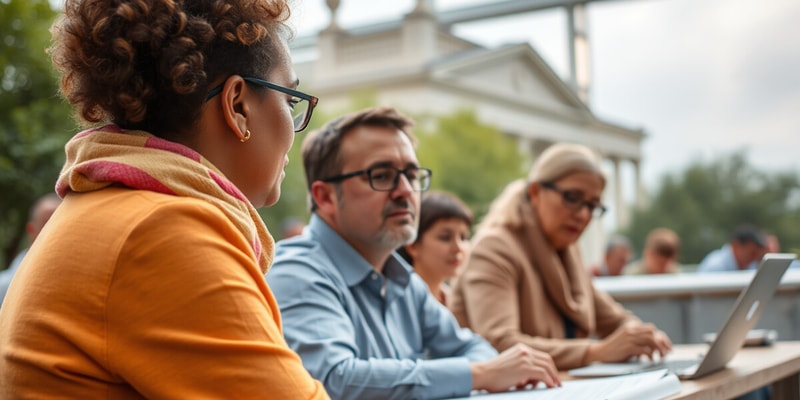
point(469, 158)
point(707, 201)
point(34, 122)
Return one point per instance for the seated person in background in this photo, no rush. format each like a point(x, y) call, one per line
point(442, 245)
point(291, 227)
point(746, 246)
point(744, 250)
point(41, 211)
point(525, 281)
point(362, 322)
point(659, 255)
point(771, 245)
point(616, 257)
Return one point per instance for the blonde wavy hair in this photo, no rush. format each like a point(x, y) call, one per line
point(556, 162)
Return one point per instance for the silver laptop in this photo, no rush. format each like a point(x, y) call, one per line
point(745, 314)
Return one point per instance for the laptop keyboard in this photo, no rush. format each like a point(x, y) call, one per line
point(671, 365)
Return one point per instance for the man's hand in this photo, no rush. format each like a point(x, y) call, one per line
point(516, 367)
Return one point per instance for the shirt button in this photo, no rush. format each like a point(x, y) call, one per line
point(374, 276)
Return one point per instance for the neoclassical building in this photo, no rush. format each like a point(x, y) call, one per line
point(418, 65)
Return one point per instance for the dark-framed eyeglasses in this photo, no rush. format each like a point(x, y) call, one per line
point(573, 199)
point(302, 104)
point(386, 179)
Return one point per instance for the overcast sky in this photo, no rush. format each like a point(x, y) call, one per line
point(703, 78)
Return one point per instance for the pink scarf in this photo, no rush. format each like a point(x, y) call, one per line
point(98, 158)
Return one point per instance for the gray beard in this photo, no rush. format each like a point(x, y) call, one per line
point(387, 238)
point(396, 238)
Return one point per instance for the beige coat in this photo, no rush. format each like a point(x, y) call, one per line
point(517, 289)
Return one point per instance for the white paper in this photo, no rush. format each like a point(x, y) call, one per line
point(653, 385)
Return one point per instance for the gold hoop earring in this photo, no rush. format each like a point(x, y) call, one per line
point(246, 136)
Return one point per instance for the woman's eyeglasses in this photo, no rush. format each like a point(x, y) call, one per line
point(302, 104)
point(573, 199)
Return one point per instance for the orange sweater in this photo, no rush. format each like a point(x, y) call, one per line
point(131, 294)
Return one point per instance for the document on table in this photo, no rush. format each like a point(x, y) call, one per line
point(653, 385)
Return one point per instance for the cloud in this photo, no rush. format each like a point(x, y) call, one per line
point(703, 78)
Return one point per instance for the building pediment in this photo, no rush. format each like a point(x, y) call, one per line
point(515, 72)
point(418, 65)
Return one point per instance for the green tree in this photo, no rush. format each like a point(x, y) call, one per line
point(34, 122)
point(706, 202)
point(469, 158)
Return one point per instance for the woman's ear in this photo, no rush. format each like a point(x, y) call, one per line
point(234, 109)
point(413, 249)
point(534, 190)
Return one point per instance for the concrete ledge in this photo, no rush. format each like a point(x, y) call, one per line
point(685, 306)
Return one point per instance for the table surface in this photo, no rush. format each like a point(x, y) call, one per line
point(751, 368)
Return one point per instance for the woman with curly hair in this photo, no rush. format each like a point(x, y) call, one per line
point(148, 280)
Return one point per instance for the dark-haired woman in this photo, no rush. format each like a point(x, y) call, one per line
point(148, 280)
point(442, 244)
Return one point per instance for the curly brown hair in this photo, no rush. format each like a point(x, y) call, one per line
point(147, 64)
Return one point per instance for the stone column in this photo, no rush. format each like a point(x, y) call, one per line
point(425, 6)
point(537, 146)
point(641, 193)
point(326, 66)
point(579, 55)
point(420, 30)
point(333, 6)
point(619, 202)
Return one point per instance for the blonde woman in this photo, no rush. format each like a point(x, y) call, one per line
point(525, 281)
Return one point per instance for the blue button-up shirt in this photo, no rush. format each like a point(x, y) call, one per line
point(723, 260)
point(365, 334)
point(720, 260)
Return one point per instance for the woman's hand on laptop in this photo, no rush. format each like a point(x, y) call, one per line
point(663, 344)
point(633, 339)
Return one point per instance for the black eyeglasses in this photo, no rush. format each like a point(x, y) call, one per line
point(385, 179)
point(302, 104)
point(573, 199)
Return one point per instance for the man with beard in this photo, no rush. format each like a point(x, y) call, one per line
point(362, 322)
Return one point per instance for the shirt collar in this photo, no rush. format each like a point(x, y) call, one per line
point(353, 267)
